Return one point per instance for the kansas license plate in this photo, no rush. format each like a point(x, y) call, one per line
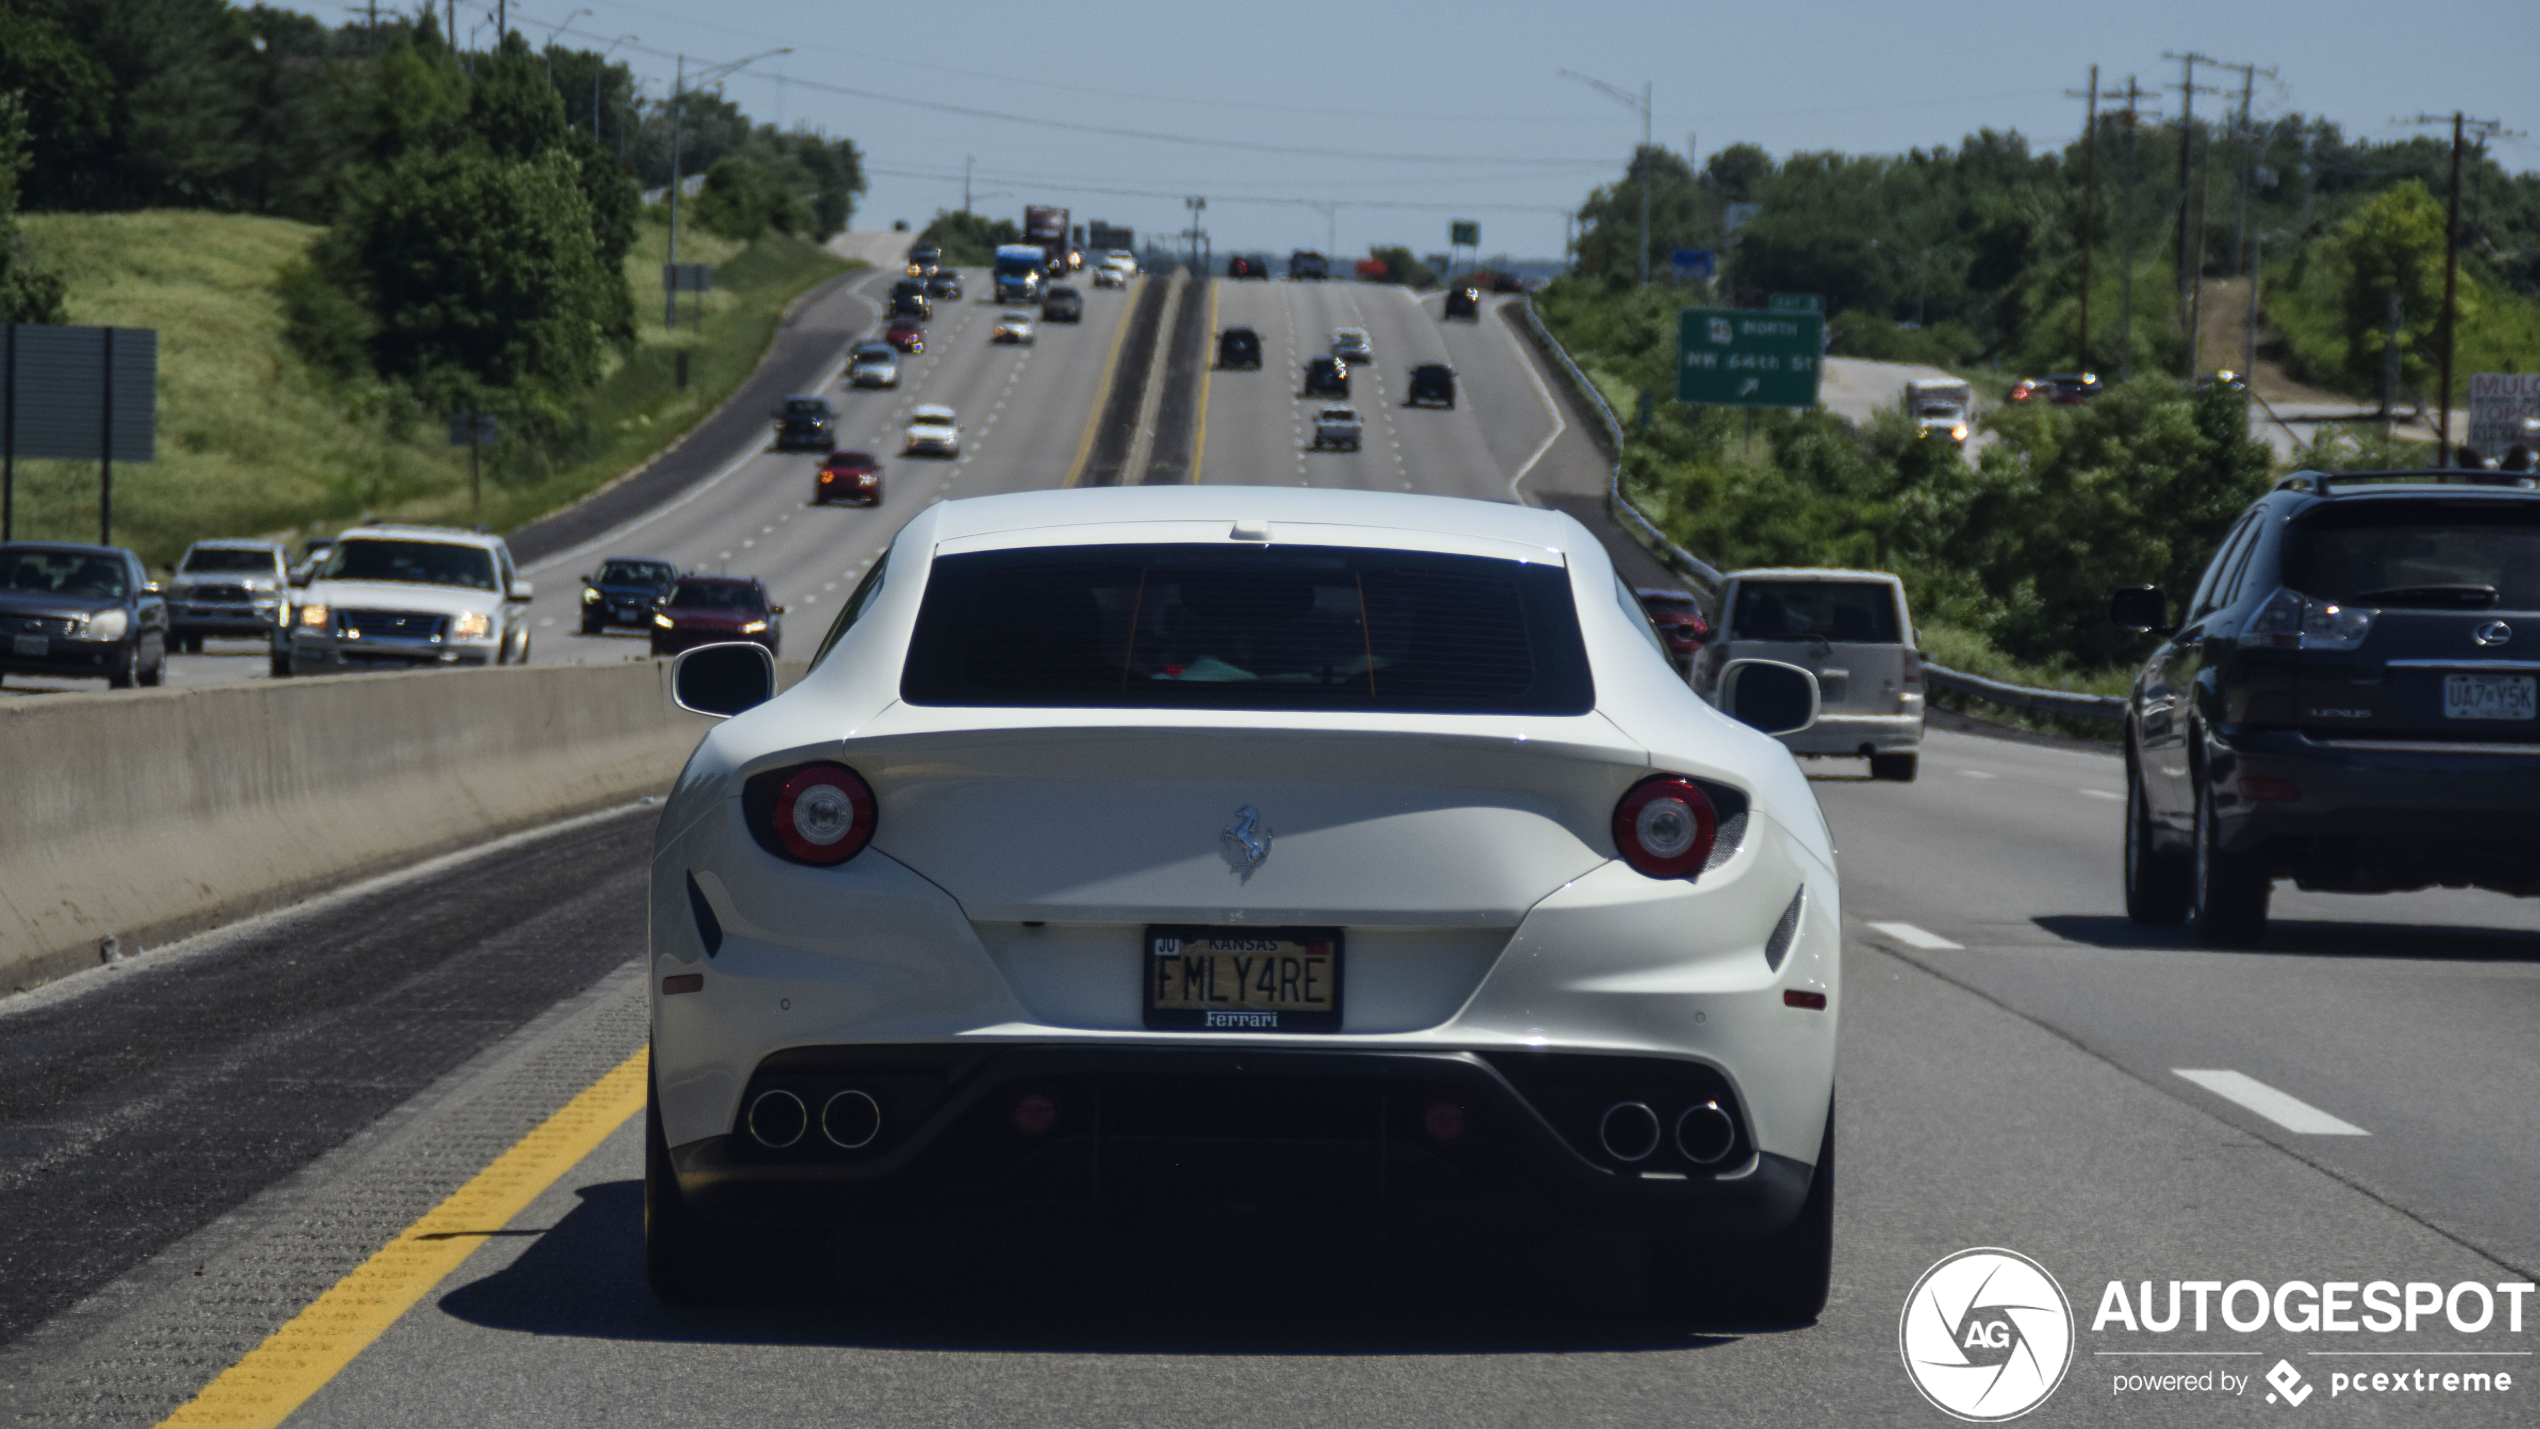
point(1243, 979)
point(2489, 696)
point(30, 645)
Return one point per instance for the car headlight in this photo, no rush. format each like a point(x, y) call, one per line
point(313, 617)
point(590, 595)
point(105, 625)
point(754, 627)
point(475, 625)
point(662, 620)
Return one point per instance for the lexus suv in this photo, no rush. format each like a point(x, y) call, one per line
point(2346, 700)
point(408, 596)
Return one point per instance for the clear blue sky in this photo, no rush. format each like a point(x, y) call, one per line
point(1462, 105)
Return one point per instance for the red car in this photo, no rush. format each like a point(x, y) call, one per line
point(1679, 619)
point(2063, 389)
point(906, 334)
point(1247, 268)
point(710, 610)
point(852, 477)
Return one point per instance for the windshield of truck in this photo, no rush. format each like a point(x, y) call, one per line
point(214, 560)
point(1218, 627)
point(1850, 612)
point(411, 563)
point(1017, 266)
point(2461, 555)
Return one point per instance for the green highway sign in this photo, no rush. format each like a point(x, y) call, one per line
point(1738, 357)
point(1464, 233)
point(1795, 303)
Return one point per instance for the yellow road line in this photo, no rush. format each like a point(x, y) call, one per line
point(1102, 394)
point(1199, 444)
point(280, 1375)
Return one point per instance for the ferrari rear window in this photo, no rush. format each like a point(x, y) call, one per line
point(1248, 627)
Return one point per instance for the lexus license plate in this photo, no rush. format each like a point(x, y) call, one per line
point(30, 645)
point(2489, 696)
point(1202, 979)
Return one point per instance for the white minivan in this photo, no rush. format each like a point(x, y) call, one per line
point(1852, 631)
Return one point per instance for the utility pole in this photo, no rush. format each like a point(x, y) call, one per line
point(1640, 102)
point(2125, 226)
point(2241, 252)
point(2487, 129)
point(2191, 247)
point(2089, 201)
point(966, 161)
point(502, 22)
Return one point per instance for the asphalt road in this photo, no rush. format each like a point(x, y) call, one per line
point(212, 1135)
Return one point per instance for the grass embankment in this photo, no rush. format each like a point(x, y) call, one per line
point(251, 442)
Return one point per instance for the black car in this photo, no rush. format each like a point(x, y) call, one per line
point(1431, 382)
point(1062, 304)
point(923, 260)
point(81, 612)
point(1326, 377)
point(805, 424)
point(1239, 347)
point(2345, 701)
point(1306, 264)
point(909, 300)
point(624, 591)
point(1464, 303)
point(1243, 267)
point(944, 283)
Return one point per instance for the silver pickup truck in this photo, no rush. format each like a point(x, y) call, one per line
point(1336, 427)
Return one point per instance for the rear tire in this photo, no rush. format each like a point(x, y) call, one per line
point(2230, 891)
point(681, 1262)
point(1895, 768)
point(2158, 886)
point(1781, 1279)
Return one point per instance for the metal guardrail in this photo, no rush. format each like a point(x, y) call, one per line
point(2020, 697)
point(1632, 518)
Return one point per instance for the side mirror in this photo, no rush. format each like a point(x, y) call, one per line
point(300, 579)
point(2140, 607)
point(723, 680)
point(585, 577)
point(776, 610)
point(1773, 697)
point(522, 590)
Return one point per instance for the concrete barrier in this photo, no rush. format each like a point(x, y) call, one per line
point(148, 815)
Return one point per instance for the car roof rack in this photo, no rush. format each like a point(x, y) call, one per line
point(2321, 483)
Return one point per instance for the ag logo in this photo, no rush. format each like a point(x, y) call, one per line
point(1986, 1335)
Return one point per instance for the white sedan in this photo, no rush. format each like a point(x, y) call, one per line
point(1014, 326)
point(1158, 847)
point(933, 431)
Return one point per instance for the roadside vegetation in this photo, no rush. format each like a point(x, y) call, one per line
point(347, 235)
point(968, 240)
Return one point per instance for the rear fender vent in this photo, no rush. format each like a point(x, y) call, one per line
point(1729, 804)
point(709, 927)
point(1785, 932)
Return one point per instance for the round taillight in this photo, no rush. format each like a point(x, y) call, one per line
point(824, 814)
point(1665, 826)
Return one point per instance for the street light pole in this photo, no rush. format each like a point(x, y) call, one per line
point(1640, 102)
point(679, 90)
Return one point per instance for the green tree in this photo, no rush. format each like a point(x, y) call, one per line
point(28, 293)
point(67, 98)
point(743, 198)
point(969, 240)
point(2390, 247)
point(1680, 215)
point(480, 275)
point(1401, 267)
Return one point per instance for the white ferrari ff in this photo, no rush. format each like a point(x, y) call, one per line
point(1179, 845)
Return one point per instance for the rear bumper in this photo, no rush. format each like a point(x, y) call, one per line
point(1141, 1127)
point(2372, 817)
point(1842, 734)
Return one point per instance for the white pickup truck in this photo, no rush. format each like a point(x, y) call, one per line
point(1941, 408)
point(1336, 427)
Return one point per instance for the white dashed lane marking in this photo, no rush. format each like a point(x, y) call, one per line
point(1978, 774)
point(1909, 934)
point(2100, 794)
point(2284, 1109)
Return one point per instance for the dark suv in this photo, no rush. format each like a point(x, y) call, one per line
point(1239, 347)
point(805, 424)
point(2343, 702)
point(1326, 377)
point(1431, 382)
